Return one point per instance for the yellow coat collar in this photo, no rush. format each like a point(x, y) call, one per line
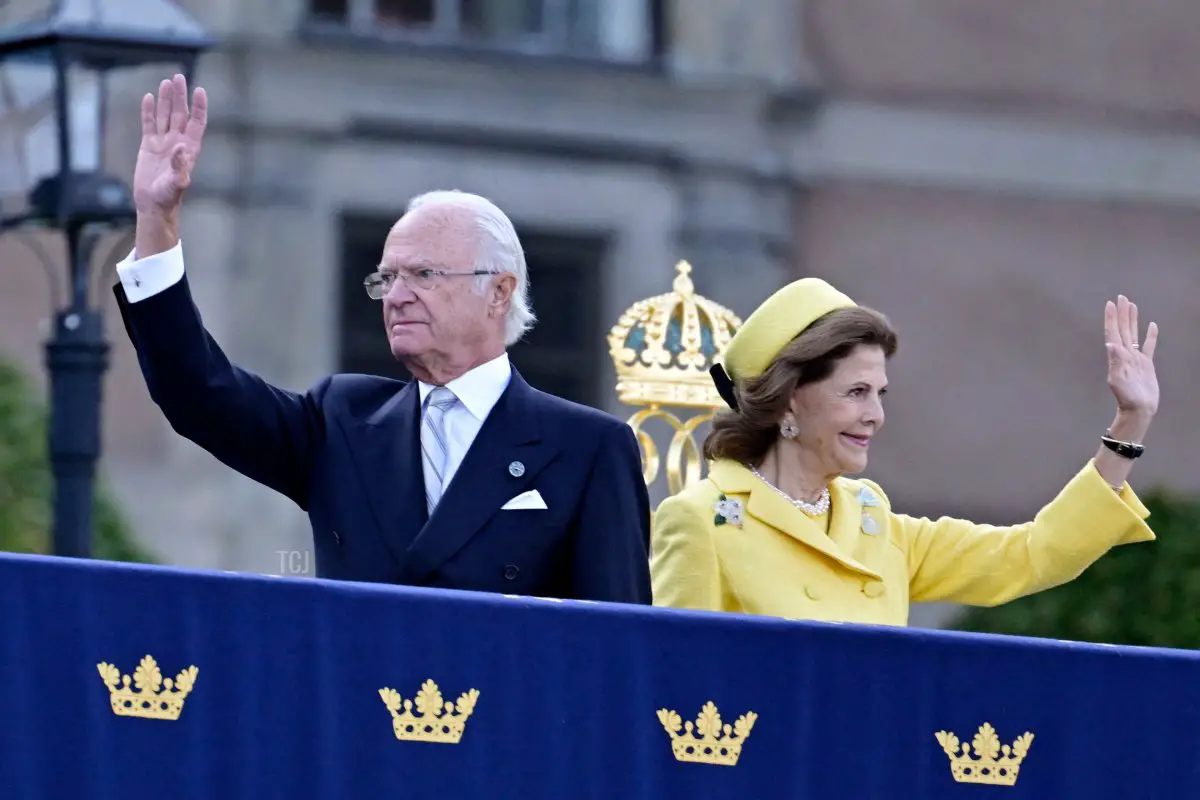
point(769, 507)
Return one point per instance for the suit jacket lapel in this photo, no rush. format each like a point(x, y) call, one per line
point(484, 481)
point(388, 452)
point(768, 506)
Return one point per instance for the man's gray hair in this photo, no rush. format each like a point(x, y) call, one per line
point(499, 251)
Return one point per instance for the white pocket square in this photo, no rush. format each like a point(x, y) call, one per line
point(525, 501)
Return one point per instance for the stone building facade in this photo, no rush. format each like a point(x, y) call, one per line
point(986, 176)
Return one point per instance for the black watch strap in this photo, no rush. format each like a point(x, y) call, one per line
point(1123, 449)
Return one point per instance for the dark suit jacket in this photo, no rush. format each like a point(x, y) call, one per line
point(347, 451)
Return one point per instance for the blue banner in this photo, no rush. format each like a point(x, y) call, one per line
point(125, 681)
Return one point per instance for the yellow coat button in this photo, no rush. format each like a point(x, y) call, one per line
point(873, 589)
point(812, 593)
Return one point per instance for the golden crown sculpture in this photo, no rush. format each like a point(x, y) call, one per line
point(148, 702)
point(716, 744)
point(993, 764)
point(662, 348)
point(438, 721)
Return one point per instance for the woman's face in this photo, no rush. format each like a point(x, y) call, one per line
point(838, 417)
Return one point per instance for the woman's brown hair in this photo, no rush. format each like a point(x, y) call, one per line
point(747, 434)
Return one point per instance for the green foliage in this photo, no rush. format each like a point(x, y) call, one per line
point(26, 486)
point(1138, 594)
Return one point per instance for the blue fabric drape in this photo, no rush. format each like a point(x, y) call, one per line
point(286, 702)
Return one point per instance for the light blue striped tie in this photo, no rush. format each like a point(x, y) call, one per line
point(433, 442)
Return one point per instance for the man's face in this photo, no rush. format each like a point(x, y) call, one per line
point(444, 321)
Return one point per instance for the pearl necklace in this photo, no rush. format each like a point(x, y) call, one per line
point(811, 509)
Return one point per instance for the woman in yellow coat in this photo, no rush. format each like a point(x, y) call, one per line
point(777, 529)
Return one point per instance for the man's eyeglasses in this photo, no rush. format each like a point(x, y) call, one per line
point(379, 283)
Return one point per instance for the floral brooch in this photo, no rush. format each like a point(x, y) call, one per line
point(729, 510)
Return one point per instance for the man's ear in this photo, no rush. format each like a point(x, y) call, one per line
point(500, 294)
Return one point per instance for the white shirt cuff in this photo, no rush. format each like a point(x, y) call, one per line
point(146, 277)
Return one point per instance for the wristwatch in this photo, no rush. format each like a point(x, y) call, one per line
point(1123, 449)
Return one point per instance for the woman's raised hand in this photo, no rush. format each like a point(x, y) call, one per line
point(1131, 375)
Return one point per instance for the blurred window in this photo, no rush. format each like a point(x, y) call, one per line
point(610, 30)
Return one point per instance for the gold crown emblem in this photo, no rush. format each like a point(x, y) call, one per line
point(438, 721)
point(993, 764)
point(716, 743)
point(147, 701)
point(662, 347)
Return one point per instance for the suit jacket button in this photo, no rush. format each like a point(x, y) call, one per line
point(812, 593)
point(511, 572)
point(337, 538)
point(873, 589)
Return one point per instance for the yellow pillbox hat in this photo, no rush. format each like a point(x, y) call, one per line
point(776, 322)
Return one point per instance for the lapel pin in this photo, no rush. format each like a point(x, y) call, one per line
point(868, 499)
point(516, 469)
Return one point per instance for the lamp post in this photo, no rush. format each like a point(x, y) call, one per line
point(56, 57)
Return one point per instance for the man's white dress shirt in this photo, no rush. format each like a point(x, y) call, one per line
point(477, 391)
point(146, 277)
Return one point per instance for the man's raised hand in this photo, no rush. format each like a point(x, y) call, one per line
point(171, 138)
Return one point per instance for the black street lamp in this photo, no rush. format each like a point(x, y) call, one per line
point(55, 60)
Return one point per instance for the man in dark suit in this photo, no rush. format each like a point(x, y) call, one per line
point(466, 477)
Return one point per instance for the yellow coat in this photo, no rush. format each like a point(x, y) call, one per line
point(779, 562)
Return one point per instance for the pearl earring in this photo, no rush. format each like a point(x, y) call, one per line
point(787, 428)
